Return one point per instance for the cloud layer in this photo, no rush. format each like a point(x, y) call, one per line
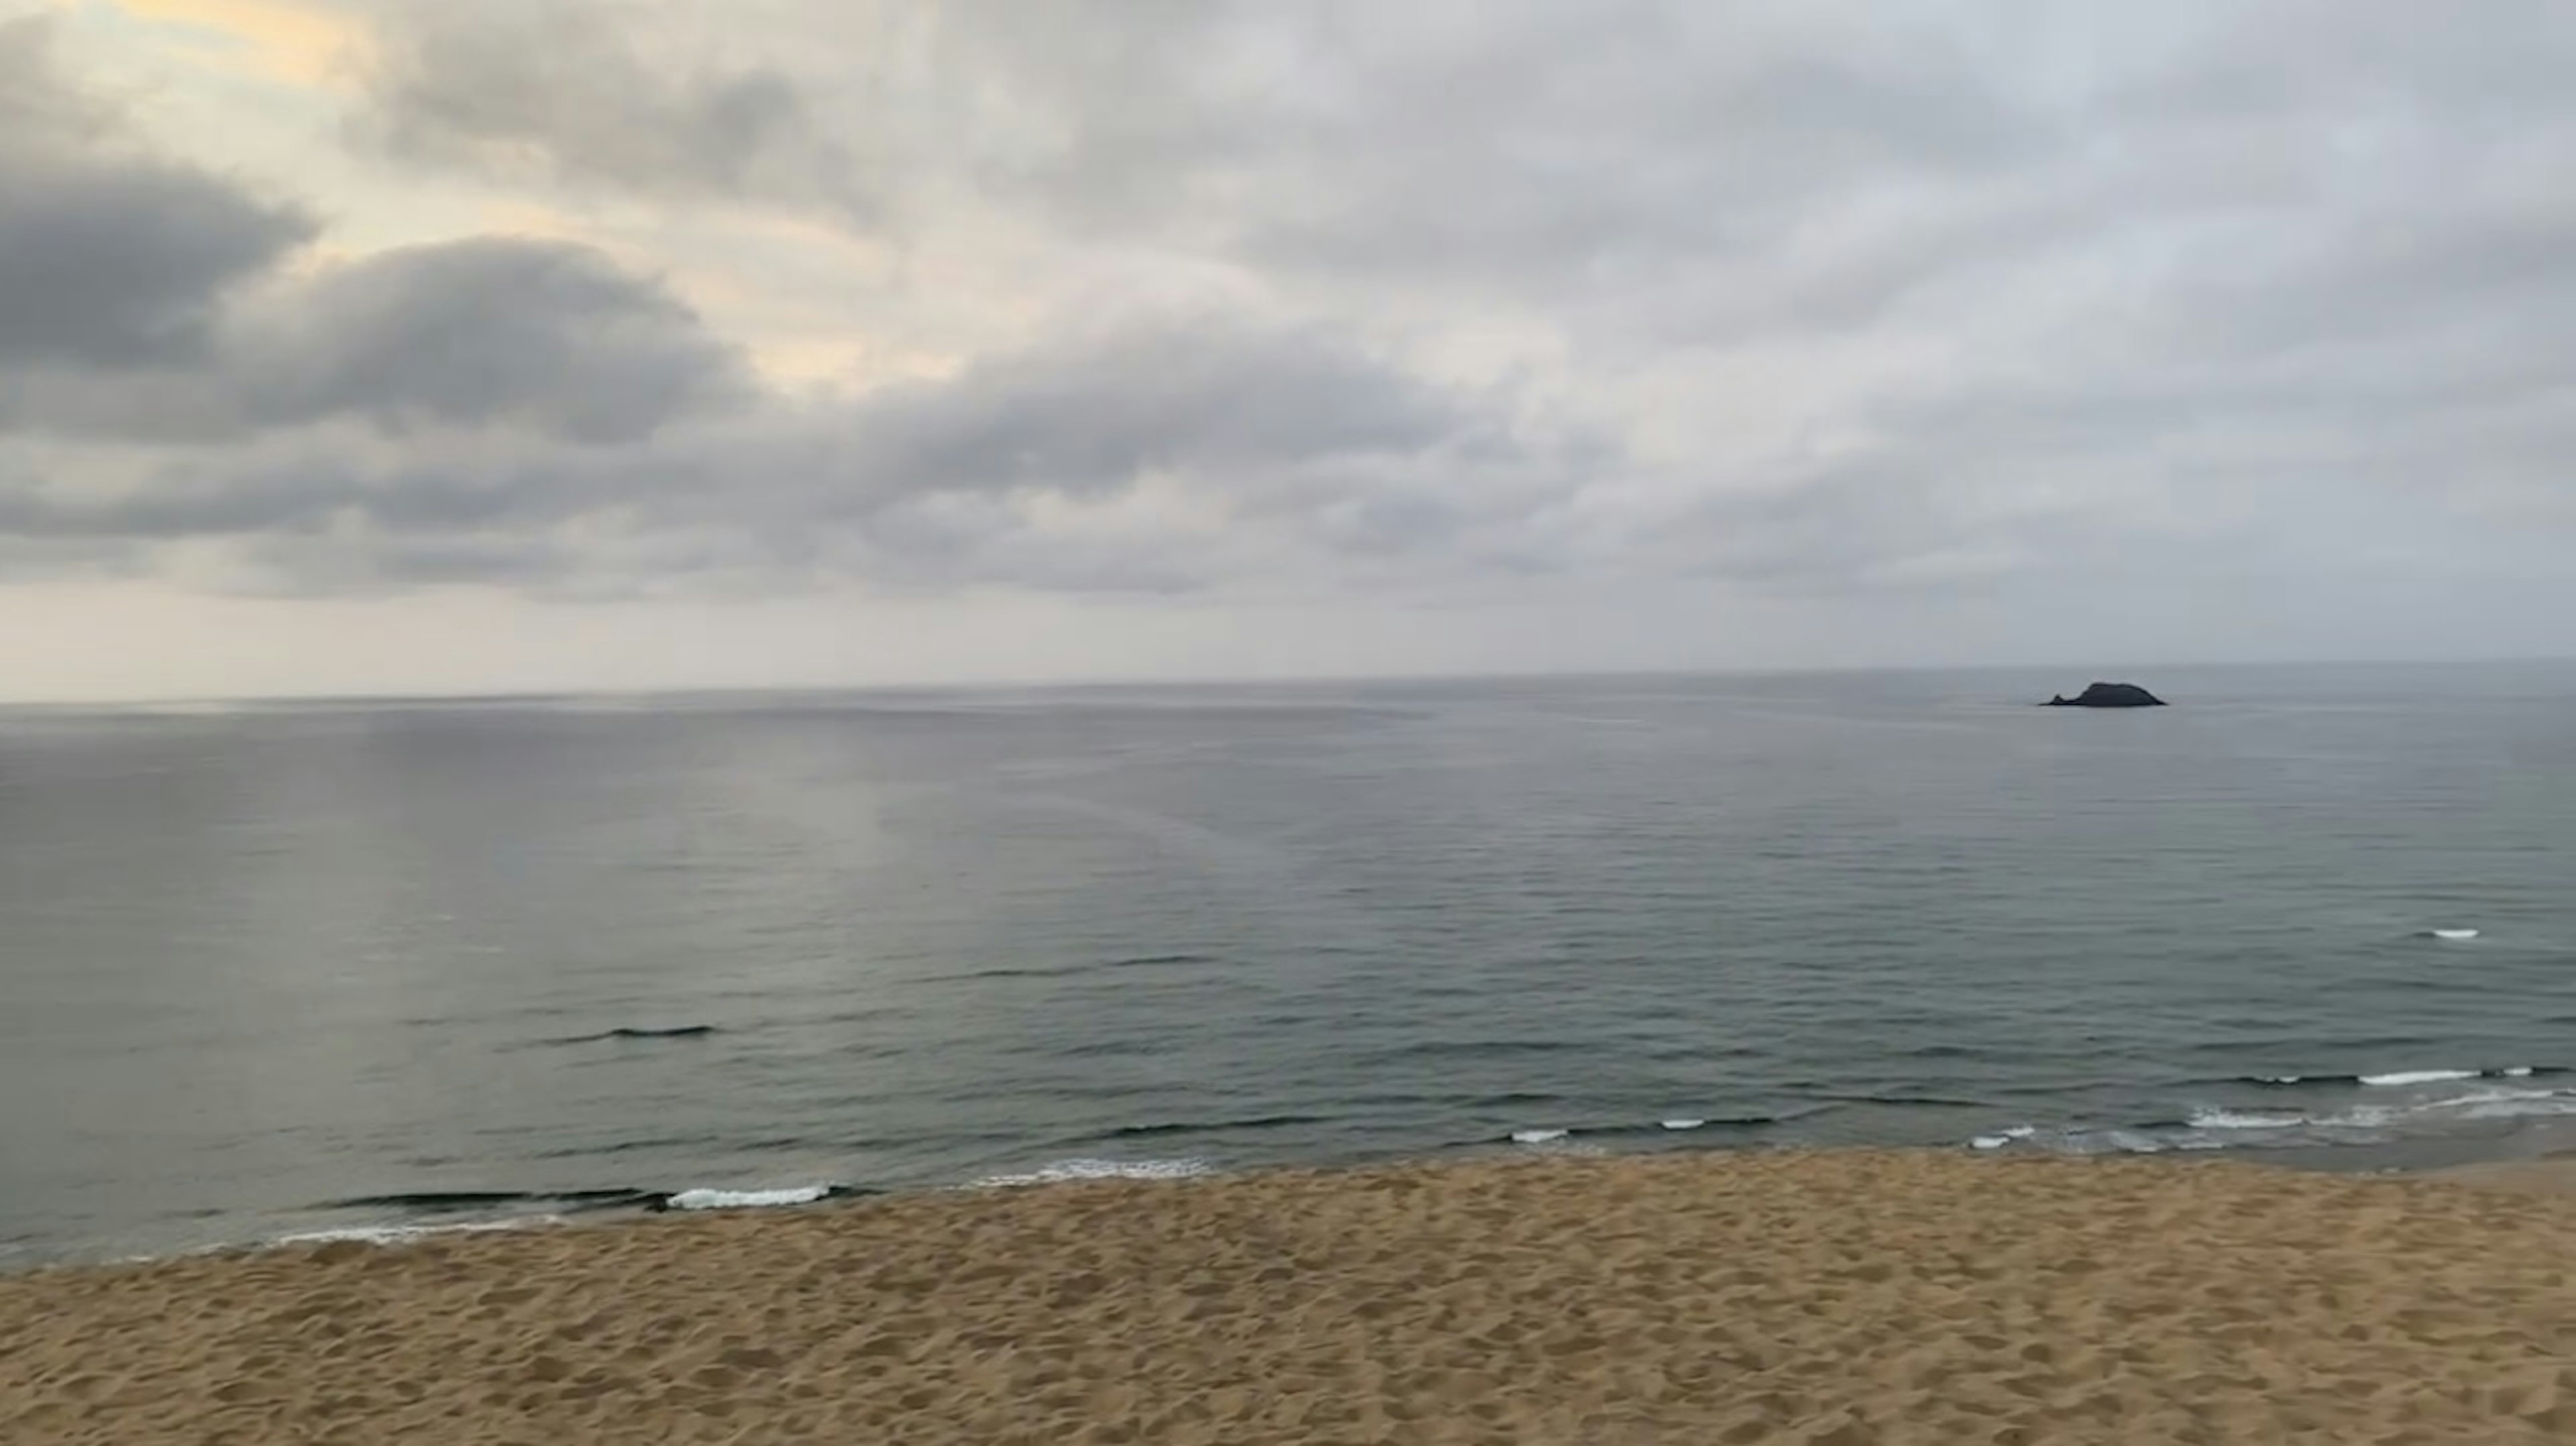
point(565, 97)
point(109, 256)
point(1841, 313)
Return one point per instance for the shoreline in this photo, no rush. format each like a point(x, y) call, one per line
point(1841, 1295)
point(2537, 1155)
point(2554, 1175)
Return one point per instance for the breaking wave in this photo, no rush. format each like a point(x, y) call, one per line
point(1062, 1171)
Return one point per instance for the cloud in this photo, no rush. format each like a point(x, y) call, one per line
point(563, 96)
point(1143, 456)
point(111, 256)
point(1092, 412)
point(1495, 144)
point(541, 335)
point(1834, 310)
point(143, 297)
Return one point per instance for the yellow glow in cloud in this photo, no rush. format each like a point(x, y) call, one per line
point(290, 41)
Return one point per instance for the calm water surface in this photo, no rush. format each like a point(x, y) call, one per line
point(276, 969)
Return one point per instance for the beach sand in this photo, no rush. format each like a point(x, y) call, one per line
point(1840, 1298)
point(2553, 1176)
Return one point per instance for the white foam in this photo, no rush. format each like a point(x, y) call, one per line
point(2520, 1071)
point(748, 1199)
point(2490, 1104)
point(2280, 1078)
point(2511, 1104)
point(1090, 1169)
point(2243, 1120)
point(398, 1234)
point(2220, 1128)
point(2112, 1142)
point(2418, 1076)
point(1682, 1124)
point(1538, 1137)
point(363, 1234)
point(2455, 935)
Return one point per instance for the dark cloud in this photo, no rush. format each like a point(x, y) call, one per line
point(493, 333)
point(1089, 413)
point(489, 331)
point(1832, 305)
point(109, 256)
point(1026, 468)
point(141, 297)
point(562, 96)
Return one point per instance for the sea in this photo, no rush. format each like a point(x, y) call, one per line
point(285, 970)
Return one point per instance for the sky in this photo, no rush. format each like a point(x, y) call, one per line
point(388, 346)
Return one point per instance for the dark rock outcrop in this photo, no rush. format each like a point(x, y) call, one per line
point(2109, 695)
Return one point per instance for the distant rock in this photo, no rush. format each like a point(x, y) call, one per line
point(2109, 695)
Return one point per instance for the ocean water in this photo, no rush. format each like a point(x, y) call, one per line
point(271, 970)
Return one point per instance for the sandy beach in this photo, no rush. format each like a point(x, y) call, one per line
point(1839, 1298)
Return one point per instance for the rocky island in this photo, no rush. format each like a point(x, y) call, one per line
point(2109, 695)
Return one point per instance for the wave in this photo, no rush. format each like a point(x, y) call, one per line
point(1704, 1122)
point(2453, 935)
point(437, 1202)
point(677, 1031)
point(1555, 1134)
point(1198, 1127)
point(1496, 1102)
point(1063, 1171)
point(2401, 1077)
point(1069, 971)
point(713, 1199)
point(1903, 1099)
point(2218, 1127)
point(2418, 1076)
point(554, 1204)
point(457, 1202)
point(2243, 1120)
point(400, 1234)
point(1478, 1048)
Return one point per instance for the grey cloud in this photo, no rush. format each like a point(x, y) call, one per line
point(563, 96)
point(308, 565)
point(124, 268)
point(1033, 468)
point(315, 485)
point(1496, 142)
point(540, 335)
point(1082, 415)
point(1805, 302)
point(1646, 176)
point(144, 298)
point(2409, 278)
point(494, 333)
point(111, 257)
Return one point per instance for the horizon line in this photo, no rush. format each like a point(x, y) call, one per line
point(1111, 682)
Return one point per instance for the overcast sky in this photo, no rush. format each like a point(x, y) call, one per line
point(390, 345)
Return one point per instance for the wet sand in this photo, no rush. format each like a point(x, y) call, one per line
point(1841, 1298)
point(2556, 1176)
